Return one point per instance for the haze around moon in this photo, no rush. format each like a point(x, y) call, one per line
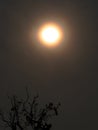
point(50, 34)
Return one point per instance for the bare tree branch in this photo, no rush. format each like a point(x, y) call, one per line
point(24, 113)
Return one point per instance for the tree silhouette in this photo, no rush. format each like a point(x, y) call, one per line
point(26, 113)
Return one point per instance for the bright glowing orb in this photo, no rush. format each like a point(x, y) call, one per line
point(50, 34)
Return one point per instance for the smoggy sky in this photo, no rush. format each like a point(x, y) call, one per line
point(67, 73)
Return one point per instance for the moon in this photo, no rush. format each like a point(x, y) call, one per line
point(50, 34)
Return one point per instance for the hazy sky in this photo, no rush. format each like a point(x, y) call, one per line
point(68, 73)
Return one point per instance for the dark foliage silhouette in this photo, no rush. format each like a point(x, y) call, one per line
point(27, 113)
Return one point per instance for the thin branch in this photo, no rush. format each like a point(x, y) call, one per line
point(3, 119)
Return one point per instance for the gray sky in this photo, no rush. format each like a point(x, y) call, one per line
point(67, 74)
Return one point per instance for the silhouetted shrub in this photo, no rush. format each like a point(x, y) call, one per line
point(26, 113)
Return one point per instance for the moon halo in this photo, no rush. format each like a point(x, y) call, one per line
point(50, 34)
